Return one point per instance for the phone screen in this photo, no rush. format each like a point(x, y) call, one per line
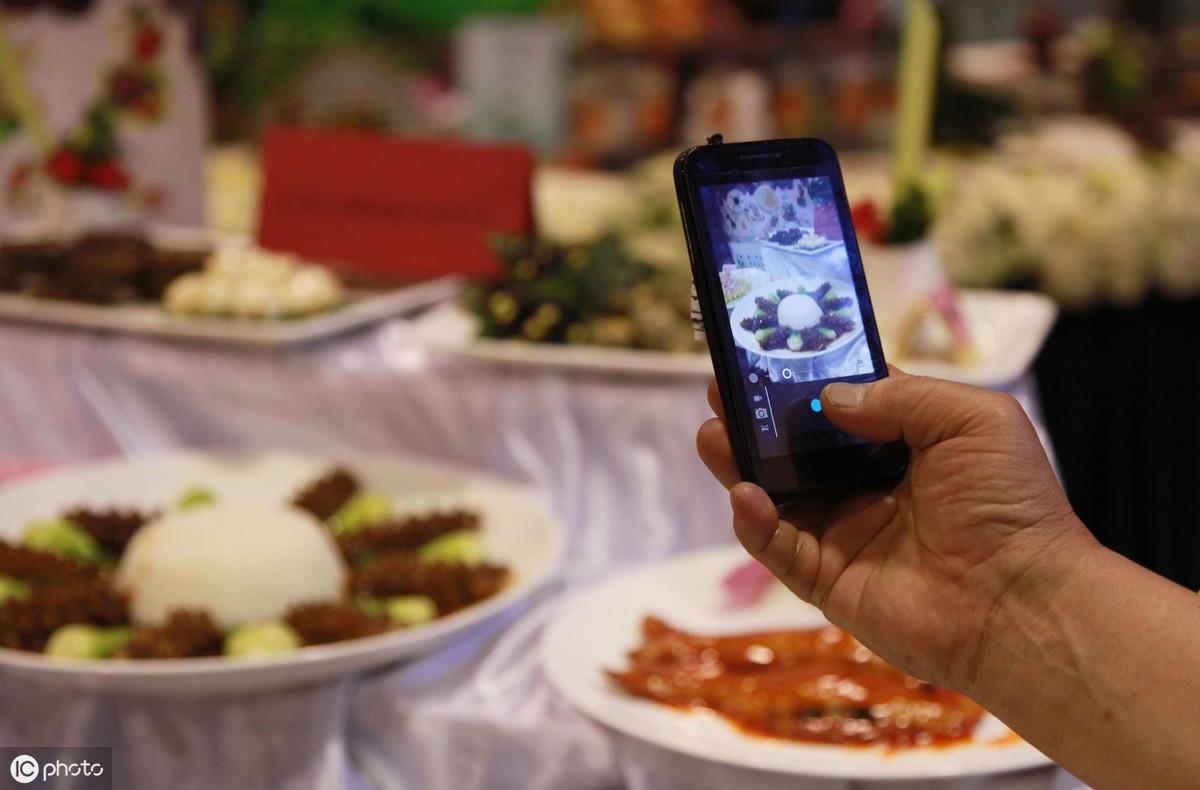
point(796, 299)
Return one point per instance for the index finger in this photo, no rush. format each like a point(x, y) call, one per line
point(714, 400)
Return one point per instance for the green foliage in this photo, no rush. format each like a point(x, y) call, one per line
point(254, 48)
point(442, 13)
point(96, 138)
point(912, 216)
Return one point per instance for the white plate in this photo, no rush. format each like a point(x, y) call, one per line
point(362, 309)
point(596, 629)
point(747, 306)
point(516, 531)
point(1008, 326)
point(1008, 329)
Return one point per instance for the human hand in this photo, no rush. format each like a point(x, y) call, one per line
point(917, 571)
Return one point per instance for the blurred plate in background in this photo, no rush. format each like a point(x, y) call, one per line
point(1008, 327)
point(361, 310)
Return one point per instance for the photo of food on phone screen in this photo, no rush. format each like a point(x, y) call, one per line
point(789, 291)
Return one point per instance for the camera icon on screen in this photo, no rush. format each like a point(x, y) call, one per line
point(761, 414)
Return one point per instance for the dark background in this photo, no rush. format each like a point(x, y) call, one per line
point(1120, 390)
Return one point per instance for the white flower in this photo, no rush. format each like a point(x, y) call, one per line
point(1094, 223)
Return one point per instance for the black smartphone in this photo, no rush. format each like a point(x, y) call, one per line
point(784, 299)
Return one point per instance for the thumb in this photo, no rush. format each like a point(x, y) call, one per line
point(921, 411)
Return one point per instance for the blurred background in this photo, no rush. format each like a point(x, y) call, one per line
point(606, 83)
point(1062, 156)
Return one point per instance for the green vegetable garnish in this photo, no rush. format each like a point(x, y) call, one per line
point(79, 640)
point(372, 606)
point(363, 509)
point(463, 547)
point(262, 639)
point(762, 335)
point(196, 497)
point(12, 589)
point(64, 538)
point(410, 609)
point(795, 342)
point(827, 333)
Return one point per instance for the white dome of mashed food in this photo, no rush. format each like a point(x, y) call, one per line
point(799, 311)
point(239, 563)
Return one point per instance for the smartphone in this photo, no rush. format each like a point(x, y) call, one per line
point(786, 311)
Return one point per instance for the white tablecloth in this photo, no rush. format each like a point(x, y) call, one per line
point(614, 457)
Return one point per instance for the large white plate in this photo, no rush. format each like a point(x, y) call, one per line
point(517, 531)
point(596, 630)
point(1009, 328)
point(362, 309)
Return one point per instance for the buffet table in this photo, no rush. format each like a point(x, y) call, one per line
point(614, 458)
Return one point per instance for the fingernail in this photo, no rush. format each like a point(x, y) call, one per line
point(845, 396)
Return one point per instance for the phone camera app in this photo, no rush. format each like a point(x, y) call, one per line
point(787, 280)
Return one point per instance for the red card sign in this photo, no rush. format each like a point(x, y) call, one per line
point(384, 208)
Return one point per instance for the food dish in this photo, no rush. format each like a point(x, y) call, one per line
point(249, 282)
point(815, 685)
point(1007, 330)
point(800, 319)
point(737, 283)
point(187, 581)
point(799, 240)
point(797, 318)
point(354, 589)
point(600, 293)
point(220, 290)
point(110, 267)
point(597, 629)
